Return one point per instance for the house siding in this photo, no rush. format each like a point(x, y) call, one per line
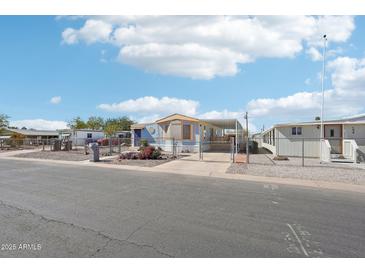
point(291, 145)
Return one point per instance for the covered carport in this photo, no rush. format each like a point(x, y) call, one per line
point(231, 141)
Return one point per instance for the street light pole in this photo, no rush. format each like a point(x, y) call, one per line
point(323, 77)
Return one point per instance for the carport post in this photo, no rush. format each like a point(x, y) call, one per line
point(235, 139)
point(200, 143)
point(119, 148)
point(247, 144)
point(302, 151)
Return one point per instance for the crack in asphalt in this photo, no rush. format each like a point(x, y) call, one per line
point(108, 238)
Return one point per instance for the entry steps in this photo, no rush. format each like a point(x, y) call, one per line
point(339, 158)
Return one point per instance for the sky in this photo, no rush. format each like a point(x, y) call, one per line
point(53, 69)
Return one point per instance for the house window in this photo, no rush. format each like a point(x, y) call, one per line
point(186, 132)
point(353, 130)
point(332, 132)
point(296, 131)
point(89, 135)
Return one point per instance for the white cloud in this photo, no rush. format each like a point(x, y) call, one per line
point(56, 100)
point(203, 47)
point(40, 124)
point(314, 54)
point(93, 31)
point(226, 114)
point(153, 105)
point(347, 97)
point(103, 58)
point(348, 74)
point(189, 60)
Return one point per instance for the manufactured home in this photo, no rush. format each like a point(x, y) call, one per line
point(188, 134)
point(343, 139)
point(80, 136)
point(29, 133)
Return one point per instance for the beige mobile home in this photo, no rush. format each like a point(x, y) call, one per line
point(343, 139)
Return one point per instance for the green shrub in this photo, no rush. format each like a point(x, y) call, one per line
point(144, 143)
point(156, 154)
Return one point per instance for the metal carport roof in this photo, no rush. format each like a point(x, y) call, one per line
point(223, 123)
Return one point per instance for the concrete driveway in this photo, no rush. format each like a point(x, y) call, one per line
point(220, 157)
point(213, 162)
point(85, 211)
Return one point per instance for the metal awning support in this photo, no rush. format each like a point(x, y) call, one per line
point(236, 139)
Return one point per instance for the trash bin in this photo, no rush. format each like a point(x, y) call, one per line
point(57, 145)
point(95, 152)
point(68, 145)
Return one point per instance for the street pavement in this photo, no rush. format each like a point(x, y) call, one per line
point(55, 210)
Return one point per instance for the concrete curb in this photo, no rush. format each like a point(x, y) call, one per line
point(239, 177)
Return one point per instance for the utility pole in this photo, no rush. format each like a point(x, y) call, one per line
point(247, 146)
point(323, 77)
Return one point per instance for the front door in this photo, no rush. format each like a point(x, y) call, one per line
point(333, 133)
point(137, 137)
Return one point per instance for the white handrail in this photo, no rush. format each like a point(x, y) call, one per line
point(350, 149)
point(325, 151)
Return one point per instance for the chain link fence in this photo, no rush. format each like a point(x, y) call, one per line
point(306, 151)
point(115, 146)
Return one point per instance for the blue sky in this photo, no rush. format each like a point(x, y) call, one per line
point(202, 66)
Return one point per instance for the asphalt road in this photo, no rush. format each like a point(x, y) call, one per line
point(72, 211)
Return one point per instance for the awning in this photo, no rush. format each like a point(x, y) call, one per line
point(223, 123)
point(138, 126)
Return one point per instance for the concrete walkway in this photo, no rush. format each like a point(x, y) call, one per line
point(190, 166)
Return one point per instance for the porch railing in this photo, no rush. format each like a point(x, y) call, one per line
point(350, 149)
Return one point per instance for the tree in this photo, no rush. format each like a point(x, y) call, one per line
point(117, 124)
point(95, 123)
point(4, 120)
point(110, 128)
point(77, 123)
point(124, 123)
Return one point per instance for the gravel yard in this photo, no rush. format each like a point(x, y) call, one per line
point(74, 155)
point(262, 165)
point(142, 163)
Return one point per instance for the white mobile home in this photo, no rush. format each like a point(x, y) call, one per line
point(189, 134)
point(80, 136)
point(342, 139)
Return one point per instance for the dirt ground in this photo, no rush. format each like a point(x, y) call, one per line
point(74, 155)
point(142, 163)
point(264, 165)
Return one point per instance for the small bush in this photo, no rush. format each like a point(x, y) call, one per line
point(156, 154)
point(144, 143)
point(146, 152)
point(105, 142)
